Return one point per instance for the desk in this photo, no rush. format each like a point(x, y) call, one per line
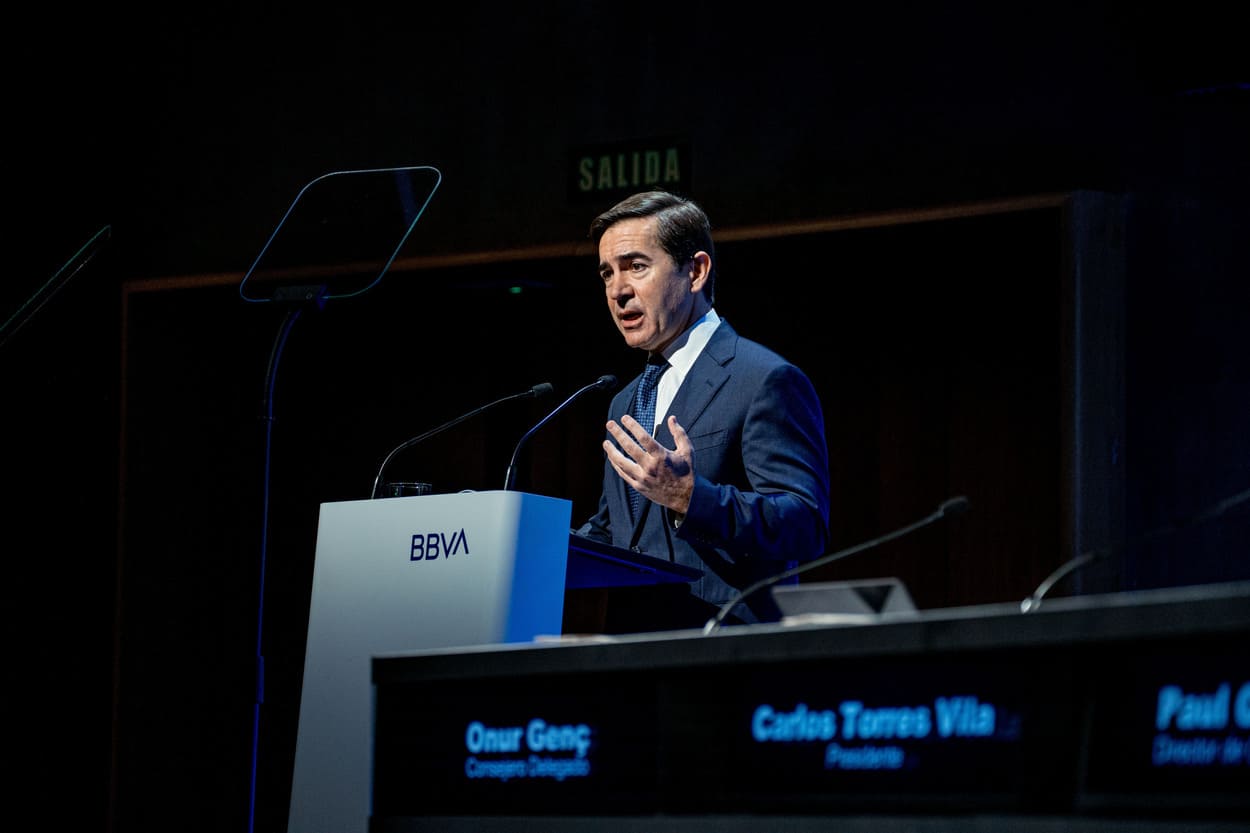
point(1100, 713)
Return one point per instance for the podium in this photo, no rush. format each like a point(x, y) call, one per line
point(418, 573)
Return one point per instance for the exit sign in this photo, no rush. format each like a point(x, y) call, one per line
point(614, 171)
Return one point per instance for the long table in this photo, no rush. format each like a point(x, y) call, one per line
point(1113, 712)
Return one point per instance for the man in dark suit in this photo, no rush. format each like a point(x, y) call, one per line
point(733, 476)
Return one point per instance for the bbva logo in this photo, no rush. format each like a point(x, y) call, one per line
point(432, 545)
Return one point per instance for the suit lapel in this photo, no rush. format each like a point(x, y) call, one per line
point(711, 369)
point(708, 375)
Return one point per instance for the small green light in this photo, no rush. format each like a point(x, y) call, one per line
point(516, 290)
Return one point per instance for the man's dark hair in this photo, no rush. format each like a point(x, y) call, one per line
point(682, 228)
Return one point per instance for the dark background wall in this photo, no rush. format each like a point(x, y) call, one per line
point(133, 462)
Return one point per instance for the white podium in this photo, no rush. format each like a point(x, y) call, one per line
point(404, 574)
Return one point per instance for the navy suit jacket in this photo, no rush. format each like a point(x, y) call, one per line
point(761, 462)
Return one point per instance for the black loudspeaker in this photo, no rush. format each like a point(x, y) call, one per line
point(865, 598)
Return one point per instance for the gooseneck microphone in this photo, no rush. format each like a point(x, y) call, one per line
point(1033, 601)
point(949, 509)
point(533, 393)
point(607, 382)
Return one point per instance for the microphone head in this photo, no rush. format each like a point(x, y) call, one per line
point(954, 506)
point(541, 389)
point(606, 382)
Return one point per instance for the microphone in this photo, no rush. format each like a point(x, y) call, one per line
point(1033, 601)
point(606, 382)
point(533, 393)
point(949, 509)
point(54, 284)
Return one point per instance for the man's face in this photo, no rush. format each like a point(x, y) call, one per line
point(651, 298)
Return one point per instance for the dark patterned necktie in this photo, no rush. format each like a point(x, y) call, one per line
point(644, 412)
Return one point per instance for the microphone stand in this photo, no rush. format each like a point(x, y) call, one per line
point(1032, 602)
point(541, 389)
point(952, 507)
point(602, 383)
point(63, 276)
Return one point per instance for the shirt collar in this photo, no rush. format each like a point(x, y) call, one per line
point(681, 356)
point(687, 347)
